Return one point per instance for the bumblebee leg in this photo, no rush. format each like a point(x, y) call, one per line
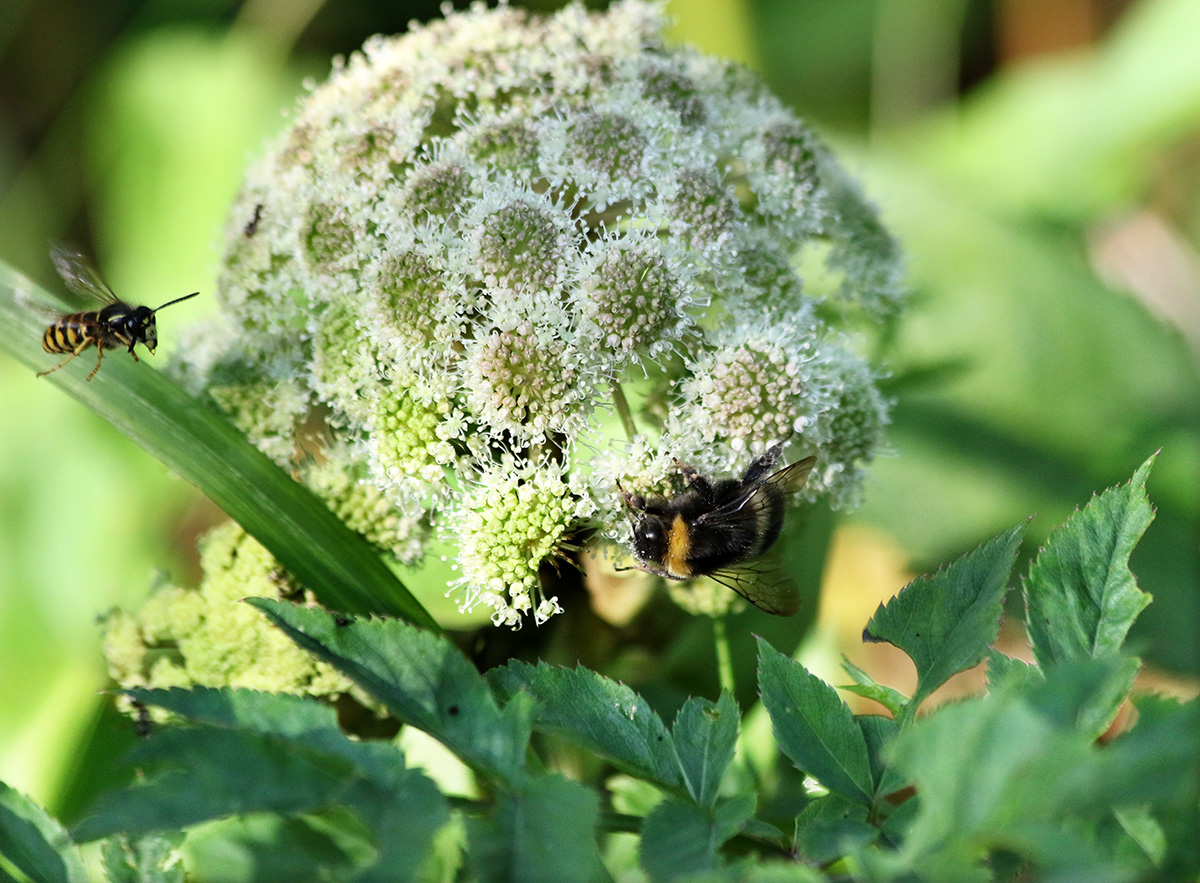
point(99, 358)
point(634, 501)
point(696, 480)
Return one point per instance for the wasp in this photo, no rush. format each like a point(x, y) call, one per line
point(720, 528)
point(116, 325)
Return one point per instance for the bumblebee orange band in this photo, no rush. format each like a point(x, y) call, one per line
point(679, 543)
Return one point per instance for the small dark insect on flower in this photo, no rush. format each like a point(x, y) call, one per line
point(252, 225)
point(116, 325)
point(720, 528)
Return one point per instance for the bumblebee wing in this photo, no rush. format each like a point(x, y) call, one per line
point(80, 275)
point(764, 583)
point(788, 480)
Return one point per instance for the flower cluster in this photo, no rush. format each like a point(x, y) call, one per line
point(505, 262)
point(209, 637)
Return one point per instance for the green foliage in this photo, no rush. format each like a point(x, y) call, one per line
point(1081, 598)
point(945, 622)
point(33, 844)
point(1010, 781)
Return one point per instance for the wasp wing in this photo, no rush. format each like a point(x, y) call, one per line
point(80, 275)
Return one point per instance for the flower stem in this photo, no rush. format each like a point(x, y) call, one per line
point(724, 660)
point(623, 410)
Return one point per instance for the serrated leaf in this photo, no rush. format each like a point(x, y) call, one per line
point(597, 713)
point(210, 774)
point(422, 678)
point(945, 622)
point(679, 839)
point(813, 727)
point(705, 734)
point(1080, 595)
point(545, 833)
point(866, 686)
point(154, 858)
point(401, 807)
point(35, 843)
point(341, 568)
point(295, 718)
point(1004, 671)
point(1015, 771)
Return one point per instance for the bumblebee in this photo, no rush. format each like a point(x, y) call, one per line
point(117, 325)
point(720, 529)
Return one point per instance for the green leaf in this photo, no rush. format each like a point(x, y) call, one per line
point(945, 622)
point(422, 678)
point(1015, 771)
point(1080, 595)
point(1085, 694)
point(828, 827)
point(1158, 761)
point(981, 766)
point(151, 859)
point(866, 686)
point(595, 713)
point(339, 566)
point(545, 833)
point(298, 719)
point(262, 848)
point(1004, 671)
point(209, 774)
point(34, 843)
point(880, 732)
point(814, 727)
point(705, 735)
point(679, 839)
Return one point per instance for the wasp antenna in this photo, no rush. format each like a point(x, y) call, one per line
point(177, 300)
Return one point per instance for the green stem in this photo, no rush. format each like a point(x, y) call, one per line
point(724, 659)
point(623, 411)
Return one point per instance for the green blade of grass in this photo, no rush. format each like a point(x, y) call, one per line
point(339, 566)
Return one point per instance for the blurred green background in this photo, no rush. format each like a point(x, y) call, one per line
point(1040, 160)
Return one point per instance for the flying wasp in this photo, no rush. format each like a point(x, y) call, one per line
point(720, 529)
point(116, 325)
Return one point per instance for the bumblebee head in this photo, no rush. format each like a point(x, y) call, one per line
point(651, 534)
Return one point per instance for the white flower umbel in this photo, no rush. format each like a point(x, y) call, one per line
point(489, 254)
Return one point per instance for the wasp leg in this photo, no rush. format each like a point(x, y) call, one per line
point(99, 358)
point(76, 352)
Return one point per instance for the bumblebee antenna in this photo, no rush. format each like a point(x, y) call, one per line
point(177, 300)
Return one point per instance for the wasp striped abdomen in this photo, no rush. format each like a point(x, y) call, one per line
point(71, 334)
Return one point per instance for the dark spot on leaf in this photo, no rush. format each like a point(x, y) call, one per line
point(342, 621)
point(452, 710)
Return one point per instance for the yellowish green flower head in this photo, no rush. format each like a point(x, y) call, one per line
point(207, 636)
point(478, 242)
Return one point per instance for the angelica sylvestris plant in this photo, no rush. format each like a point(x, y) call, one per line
point(1028, 779)
point(497, 265)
